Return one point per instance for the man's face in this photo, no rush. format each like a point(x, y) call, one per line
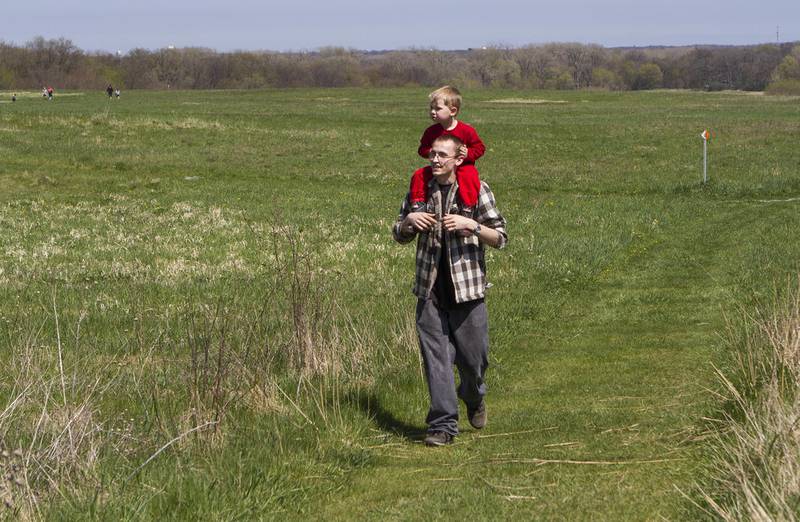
point(443, 158)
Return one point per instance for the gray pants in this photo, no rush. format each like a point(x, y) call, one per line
point(453, 335)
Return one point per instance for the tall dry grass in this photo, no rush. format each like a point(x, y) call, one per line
point(72, 407)
point(756, 464)
point(51, 433)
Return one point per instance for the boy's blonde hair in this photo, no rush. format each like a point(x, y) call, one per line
point(448, 95)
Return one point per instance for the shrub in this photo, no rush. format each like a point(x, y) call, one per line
point(784, 87)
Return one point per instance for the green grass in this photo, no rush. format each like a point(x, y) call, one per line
point(163, 224)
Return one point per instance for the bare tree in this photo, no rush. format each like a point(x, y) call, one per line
point(554, 66)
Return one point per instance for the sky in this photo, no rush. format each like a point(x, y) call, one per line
point(304, 25)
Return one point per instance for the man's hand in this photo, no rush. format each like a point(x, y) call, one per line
point(419, 222)
point(460, 224)
point(462, 152)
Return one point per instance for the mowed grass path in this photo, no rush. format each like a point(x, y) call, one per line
point(599, 411)
point(607, 310)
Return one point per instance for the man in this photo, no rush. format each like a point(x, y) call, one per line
point(451, 317)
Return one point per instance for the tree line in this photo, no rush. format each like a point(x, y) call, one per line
point(58, 62)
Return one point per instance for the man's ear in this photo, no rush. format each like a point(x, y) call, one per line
point(459, 160)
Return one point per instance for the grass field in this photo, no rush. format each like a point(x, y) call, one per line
point(203, 315)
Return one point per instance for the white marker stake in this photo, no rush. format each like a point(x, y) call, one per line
point(706, 136)
point(705, 161)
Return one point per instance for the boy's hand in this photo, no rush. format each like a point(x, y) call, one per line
point(462, 151)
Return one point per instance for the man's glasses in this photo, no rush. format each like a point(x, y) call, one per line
point(432, 155)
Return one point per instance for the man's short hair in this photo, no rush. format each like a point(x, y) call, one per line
point(449, 138)
point(448, 95)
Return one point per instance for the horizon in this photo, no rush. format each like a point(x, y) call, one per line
point(406, 49)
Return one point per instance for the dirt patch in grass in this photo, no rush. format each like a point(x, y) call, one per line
point(38, 94)
point(526, 101)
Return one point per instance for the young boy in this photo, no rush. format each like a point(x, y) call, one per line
point(445, 102)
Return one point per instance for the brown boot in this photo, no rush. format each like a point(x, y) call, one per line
point(438, 438)
point(477, 417)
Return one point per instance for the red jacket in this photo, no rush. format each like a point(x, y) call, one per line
point(462, 131)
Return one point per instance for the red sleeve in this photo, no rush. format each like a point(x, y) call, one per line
point(475, 147)
point(426, 141)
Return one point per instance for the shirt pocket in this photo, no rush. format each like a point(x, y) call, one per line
point(470, 241)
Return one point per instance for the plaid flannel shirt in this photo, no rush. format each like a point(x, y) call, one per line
point(467, 266)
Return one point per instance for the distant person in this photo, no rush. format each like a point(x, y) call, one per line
point(109, 90)
point(445, 104)
point(50, 94)
point(117, 93)
point(450, 285)
point(14, 97)
point(44, 92)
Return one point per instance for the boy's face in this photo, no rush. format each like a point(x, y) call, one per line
point(441, 113)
